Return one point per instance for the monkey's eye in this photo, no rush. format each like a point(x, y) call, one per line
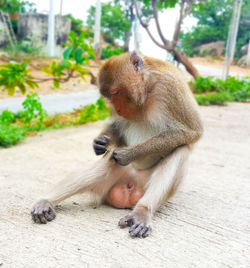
point(129, 99)
point(114, 92)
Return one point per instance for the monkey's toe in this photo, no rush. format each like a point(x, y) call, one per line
point(140, 230)
point(126, 221)
point(42, 212)
point(138, 227)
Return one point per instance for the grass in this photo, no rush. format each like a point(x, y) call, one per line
point(14, 128)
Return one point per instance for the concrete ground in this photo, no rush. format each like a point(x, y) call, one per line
point(207, 224)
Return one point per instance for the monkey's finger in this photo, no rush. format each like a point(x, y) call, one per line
point(101, 140)
point(135, 230)
point(140, 230)
point(42, 218)
point(49, 215)
point(145, 231)
point(35, 218)
point(98, 152)
point(126, 221)
point(133, 227)
point(99, 147)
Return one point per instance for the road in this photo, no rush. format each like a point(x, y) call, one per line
point(67, 102)
point(55, 103)
point(205, 225)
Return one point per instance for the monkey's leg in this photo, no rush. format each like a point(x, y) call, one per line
point(163, 183)
point(99, 176)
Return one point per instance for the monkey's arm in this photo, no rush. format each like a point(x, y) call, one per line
point(163, 143)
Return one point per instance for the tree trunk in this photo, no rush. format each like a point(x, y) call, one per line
point(185, 61)
point(126, 42)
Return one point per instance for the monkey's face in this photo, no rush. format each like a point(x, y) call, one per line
point(123, 104)
point(121, 81)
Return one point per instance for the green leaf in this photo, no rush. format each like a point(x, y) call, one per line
point(67, 52)
point(22, 88)
point(56, 84)
point(78, 54)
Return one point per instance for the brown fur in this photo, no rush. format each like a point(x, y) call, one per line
point(168, 107)
point(150, 149)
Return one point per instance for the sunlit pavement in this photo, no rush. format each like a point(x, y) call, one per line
point(55, 103)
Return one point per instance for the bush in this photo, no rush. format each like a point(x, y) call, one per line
point(209, 90)
point(25, 46)
point(94, 112)
point(10, 135)
point(203, 84)
point(110, 51)
point(207, 52)
point(33, 110)
point(78, 49)
point(33, 118)
point(16, 75)
point(7, 117)
point(214, 98)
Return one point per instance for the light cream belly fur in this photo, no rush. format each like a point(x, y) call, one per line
point(147, 162)
point(138, 133)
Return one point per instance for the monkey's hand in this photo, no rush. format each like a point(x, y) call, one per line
point(122, 156)
point(42, 212)
point(100, 144)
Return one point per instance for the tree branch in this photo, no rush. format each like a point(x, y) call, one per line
point(154, 40)
point(145, 25)
point(178, 26)
point(67, 78)
point(155, 12)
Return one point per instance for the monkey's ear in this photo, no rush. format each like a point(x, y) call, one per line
point(137, 61)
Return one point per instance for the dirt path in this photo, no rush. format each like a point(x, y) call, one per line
point(205, 225)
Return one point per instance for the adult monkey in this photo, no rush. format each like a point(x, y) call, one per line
point(153, 126)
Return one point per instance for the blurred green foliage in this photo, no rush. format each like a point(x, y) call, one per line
point(209, 90)
point(33, 118)
point(78, 49)
point(76, 58)
point(12, 6)
point(110, 51)
point(10, 135)
point(213, 24)
point(32, 110)
point(7, 117)
point(94, 112)
point(16, 75)
point(25, 46)
point(114, 23)
point(77, 26)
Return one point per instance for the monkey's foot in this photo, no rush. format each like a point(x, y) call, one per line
point(42, 212)
point(138, 226)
